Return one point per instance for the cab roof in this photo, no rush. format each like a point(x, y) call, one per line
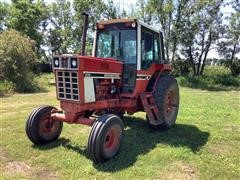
point(113, 21)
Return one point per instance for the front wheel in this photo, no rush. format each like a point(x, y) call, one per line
point(40, 129)
point(105, 138)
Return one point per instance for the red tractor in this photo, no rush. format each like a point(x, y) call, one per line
point(127, 73)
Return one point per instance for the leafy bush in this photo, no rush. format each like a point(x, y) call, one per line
point(6, 87)
point(214, 78)
point(17, 56)
point(45, 80)
point(181, 67)
point(234, 66)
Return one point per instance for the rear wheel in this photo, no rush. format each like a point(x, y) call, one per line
point(166, 97)
point(40, 129)
point(105, 138)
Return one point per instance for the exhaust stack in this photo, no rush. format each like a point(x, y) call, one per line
point(84, 35)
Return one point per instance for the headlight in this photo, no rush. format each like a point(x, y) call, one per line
point(73, 62)
point(56, 62)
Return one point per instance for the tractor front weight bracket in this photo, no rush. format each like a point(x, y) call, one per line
point(57, 116)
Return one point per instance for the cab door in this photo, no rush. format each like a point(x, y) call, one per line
point(150, 48)
point(129, 50)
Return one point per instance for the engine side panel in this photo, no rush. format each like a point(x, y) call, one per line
point(101, 78)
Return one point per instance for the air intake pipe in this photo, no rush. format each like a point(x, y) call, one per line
point(84, 35)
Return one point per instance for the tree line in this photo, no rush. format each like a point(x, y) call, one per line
point(191, 29)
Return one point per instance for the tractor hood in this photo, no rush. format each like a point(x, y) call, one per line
point(86, 63)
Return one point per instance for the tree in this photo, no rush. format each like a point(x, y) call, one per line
point(143, 11)
point(4, 12)
point(17, 56)
point(113, 10)
point(199, 32)
point(26, 16)
point(65, 22)
point(162, 10)
point(95, 9)
point(229, 46)
point(61, 31)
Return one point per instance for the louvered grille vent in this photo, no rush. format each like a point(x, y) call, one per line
point(67, 85)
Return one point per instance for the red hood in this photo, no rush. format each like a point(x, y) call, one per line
point(95, 64)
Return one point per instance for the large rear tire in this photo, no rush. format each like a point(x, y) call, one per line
point(40, 129)
point(105, 138)
point(166, 96)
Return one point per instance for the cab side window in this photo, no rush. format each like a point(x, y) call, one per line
point(147, 48)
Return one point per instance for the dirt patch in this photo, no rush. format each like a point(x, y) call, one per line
point(216, 150)
point(188, 171)
point(221, 148)
point(21, 168)
point(179, 170)
point(17, 167)
point(3, 155)
point(232, 128)
point(45, 174)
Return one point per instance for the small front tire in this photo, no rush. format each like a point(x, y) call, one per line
point(39, 127)
point(105, 138)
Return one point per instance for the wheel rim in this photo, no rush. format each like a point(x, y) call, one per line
point(112, 140)
point(170, 105)
point(47, 128)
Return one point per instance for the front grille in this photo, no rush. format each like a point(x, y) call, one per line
point(67, 85)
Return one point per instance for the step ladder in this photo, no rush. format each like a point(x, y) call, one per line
point(151, 108)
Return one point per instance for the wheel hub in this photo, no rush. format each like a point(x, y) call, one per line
point(47, 127)
point(111, 139)
point(169, 103)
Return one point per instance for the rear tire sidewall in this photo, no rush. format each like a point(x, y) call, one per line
point(165, 84)
point(170, 121)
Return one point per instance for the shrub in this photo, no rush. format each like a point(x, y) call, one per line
point(17, 56)
point(233, 65)
point(181, 67)
point(6, 87)
point(214, 78)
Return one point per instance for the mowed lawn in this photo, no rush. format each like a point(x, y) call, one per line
point(204, 144)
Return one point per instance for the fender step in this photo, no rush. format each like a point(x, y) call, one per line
point(151, 108)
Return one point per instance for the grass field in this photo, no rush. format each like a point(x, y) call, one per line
point(204, 144)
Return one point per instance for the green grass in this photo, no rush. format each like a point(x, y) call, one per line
point(204, 144)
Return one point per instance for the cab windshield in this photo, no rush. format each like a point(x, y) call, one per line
point(118, 43)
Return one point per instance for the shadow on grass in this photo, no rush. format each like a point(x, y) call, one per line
point(139, 139)
point(66, 143)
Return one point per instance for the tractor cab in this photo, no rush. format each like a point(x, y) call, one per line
point(135, 44)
